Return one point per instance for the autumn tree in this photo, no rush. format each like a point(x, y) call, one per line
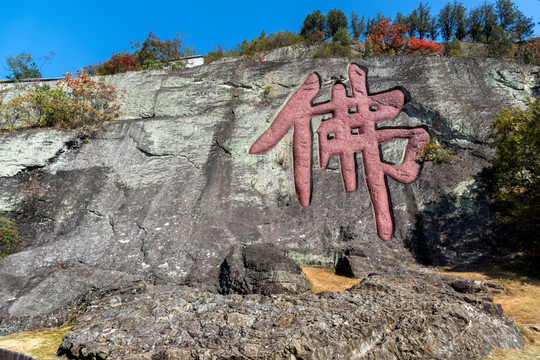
point(372, 21)
point(388, 37)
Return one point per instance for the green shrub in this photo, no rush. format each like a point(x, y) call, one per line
point(368, 47)
point(438, 152)
point(218, 53)
point(332, 50)
point(9, 237)
point(453, 48)
point(343, 37)
point(251, 49)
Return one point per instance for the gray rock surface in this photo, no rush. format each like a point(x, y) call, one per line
point(260, 269)
point(408, 316)
point(162, 195)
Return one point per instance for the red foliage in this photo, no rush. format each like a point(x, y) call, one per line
point(117, 63)
point(388, 38)
point(424, 46)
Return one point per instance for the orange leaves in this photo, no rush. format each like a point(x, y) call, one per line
point(389, 38)
point(424, 46)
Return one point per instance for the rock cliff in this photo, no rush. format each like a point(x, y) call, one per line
point(162, 196)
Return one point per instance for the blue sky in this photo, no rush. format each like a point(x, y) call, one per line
point(87, 32)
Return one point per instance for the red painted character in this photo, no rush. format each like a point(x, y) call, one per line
point(351, 129)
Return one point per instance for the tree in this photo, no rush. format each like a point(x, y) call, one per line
point(22, 66)
point(523, 26)
point(460, 18)
point(401, 19)
point(489, 20)
point(475, 24)
point(419, 20)
point(517, 172)
point(500, 44)
point(313, 26)
point(506, 12)
point(447, 22)
point(343, 37)
point(154, 53)
point(335, 20)
point(387, 37)
point(357, 25)
point(118, 63)
point(433, 29)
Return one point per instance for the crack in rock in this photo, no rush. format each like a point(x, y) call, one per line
point(150, 154)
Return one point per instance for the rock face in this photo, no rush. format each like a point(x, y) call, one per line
point(162, 196)
point(407, 316)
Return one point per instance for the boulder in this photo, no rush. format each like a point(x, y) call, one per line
point(260, 269)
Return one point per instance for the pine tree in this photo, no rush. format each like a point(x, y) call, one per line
point(357, 25)
point(506, 12)
point(335, 20)
point(447, 22)
point(314, 26)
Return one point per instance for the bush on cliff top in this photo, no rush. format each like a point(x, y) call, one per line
point(74, 101)
point(152, 53)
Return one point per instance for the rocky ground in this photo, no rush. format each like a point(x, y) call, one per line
point(390, 316)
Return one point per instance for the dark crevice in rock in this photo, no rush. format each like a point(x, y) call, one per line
point(222, 148)
point(109, 218)
point(238, 85)
point(150, 154)
point(32, 168)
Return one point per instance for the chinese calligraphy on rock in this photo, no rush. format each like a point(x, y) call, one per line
point(351, 129)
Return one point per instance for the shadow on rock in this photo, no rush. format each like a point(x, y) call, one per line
point(458, 230)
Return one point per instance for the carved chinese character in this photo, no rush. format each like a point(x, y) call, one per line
point(351, 129)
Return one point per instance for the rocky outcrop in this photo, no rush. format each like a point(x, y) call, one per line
point(407, 316)
point(161, 196)
point(260, 269)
